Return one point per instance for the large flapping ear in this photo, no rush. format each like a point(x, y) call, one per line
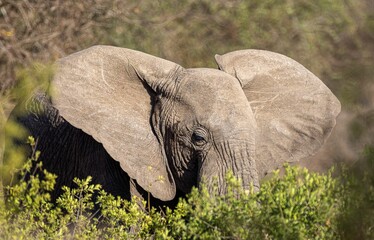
point(295, 112)
point(107, 92)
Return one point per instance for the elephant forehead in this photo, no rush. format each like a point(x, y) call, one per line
point(216, 98)
point(206, 83)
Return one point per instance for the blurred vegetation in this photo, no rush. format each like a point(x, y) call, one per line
point(334, 39)
point(357, 213)
point(36, 76)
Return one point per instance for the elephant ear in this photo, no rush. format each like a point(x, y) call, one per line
point(108, 92)
point(295, 112)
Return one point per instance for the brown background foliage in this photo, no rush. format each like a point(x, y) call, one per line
point(334, 39)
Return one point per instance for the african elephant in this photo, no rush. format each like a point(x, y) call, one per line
point(138, 123)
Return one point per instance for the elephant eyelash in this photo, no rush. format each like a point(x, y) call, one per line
point(199, 137)
point(198, 140)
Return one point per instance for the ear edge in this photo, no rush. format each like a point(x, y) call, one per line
point(234, 62)
point(85, 57)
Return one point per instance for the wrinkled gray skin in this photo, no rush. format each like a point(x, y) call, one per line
point(172, 128)
point(210, 132)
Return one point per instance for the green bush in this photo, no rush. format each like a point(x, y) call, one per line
point(299, 205)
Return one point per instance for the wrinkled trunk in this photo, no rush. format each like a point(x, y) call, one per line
point(229, 156)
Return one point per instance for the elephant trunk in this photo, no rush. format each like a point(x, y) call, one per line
point(229, 156)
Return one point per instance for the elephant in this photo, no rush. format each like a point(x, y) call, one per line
point(140, 124)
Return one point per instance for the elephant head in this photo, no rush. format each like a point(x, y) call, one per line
point(172, 128)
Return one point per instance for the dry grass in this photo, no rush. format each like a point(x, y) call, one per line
point(36, 30)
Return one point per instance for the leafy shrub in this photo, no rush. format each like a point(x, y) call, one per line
point(300, 205)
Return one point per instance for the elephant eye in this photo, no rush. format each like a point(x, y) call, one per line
point(198, 139)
